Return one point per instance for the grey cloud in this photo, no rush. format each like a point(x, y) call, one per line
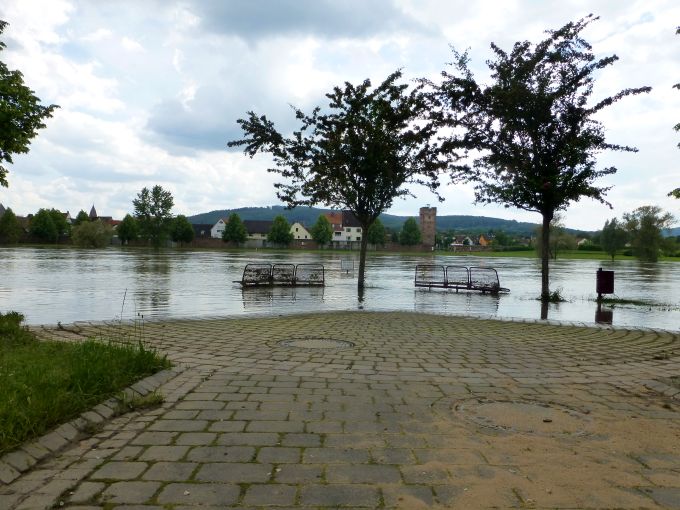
point(251, 20)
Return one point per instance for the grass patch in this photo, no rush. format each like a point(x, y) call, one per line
point(613, 301)
point(138, 403)
point(46, 383)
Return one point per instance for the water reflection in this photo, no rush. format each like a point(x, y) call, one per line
point(259, 298)
point(604, 315)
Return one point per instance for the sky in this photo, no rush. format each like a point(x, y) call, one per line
point(150, 91)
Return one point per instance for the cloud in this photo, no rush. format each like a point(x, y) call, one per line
point(326, 19)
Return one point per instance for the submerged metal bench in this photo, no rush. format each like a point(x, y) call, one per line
point(282, 274)
point(483, 279)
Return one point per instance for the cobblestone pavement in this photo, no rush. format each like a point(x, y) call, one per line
point(383, 410)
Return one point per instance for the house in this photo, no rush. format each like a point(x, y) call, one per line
point(462, 240)
point(258, 229)
point(484, 240)
point(104, 219)
point(299, 231)
point(346, 227)
point(202, 230)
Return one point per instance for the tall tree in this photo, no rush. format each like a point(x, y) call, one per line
point(128, 230)
point(410, 233)
point(280, 232)
point(181, 229)
point(534, 134)
point(376, 233)
point(152, 210)
point(645, 226)
point(234, 230)
point(613, 237)
point(42, 226)
point(10, 230)
point(322, 231)
point(358, 156)
point(676, 192)
point(21, 114)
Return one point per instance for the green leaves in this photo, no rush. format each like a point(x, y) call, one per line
point(21, 114)
point(152, 211)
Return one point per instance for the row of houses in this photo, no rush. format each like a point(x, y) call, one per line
point(346, 230)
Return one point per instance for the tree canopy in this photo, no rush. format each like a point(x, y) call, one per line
point(532, 132)
point(410, 233)
point(181, 229)
point(10, 230)
point(92, 234)
point(234, 229)
point(645, 226)
point(153, 212)
point(280, 232)
point(377, 233)
point(613, 237)
point(128, 229)
point(357, 155)
point(322, 231)
point(21, 114)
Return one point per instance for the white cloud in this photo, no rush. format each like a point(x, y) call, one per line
point(130, 44)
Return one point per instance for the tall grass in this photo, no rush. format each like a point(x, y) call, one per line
point(46, 383)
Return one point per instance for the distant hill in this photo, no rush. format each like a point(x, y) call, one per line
point(672, 232)
point(309, 215)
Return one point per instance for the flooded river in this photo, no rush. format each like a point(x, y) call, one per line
point(50, 285)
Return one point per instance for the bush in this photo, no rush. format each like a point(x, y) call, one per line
point(589, 247)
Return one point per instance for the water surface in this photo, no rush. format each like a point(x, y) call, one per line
point(50, 285)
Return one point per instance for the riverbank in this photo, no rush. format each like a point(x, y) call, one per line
point(390, 410)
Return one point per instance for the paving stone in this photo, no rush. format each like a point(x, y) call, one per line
point(340, 495)
point(227, 426)
point(275, 426)
point(334, 456)
point(120, 470)
point(86, 492)
point(195, 438)
point(155, 438)
point(7, 473)
point(203, 494)
point(304, 440)
point(279, 455)
point(408, 496)
point(221, 454)
point(234, 473)
point(299, 473)
point(362, 473)
point(156, 453)
point(248, 438)
point(129, 492)
point(270, 495)
point(170, 471)
point(179, 425)
point(667, 497)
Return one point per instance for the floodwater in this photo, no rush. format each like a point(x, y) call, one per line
point(50, 285)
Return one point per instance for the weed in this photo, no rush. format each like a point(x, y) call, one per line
point(137, 403)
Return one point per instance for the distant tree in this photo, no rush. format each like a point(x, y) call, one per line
point(181, 229)
point(322, 231)
point(82, 217)
point(376, 233)
point(234, 230)
point(613, 237)
point(410, 233)
point(152, 210)
point(42, 226)
point(645, 227)
point(92, 234)
point(532, 133)
point(21, 114)
point(59, 218)
point(128, 229)
point(359, 156)
point(10, 229)
point(500, 239)
point(280, 232)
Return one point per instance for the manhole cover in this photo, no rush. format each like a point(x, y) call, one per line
point(316, 343)
point(525, 417)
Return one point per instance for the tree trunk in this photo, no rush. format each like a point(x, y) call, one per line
point(362, 256)
point(545, 258)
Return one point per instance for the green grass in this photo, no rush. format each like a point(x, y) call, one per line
point(46, 383)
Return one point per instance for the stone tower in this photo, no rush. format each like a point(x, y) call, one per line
point(428, 225)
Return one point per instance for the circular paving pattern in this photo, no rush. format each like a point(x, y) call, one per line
point(316, 343)
point(524, 417)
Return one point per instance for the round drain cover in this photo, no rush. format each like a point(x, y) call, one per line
point(316, 343)
point(525, 417)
